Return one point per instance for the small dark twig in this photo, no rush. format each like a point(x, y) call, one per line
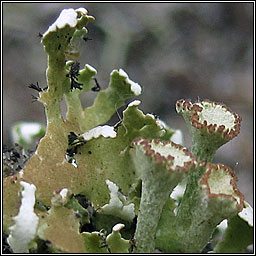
point(73, 75)
point(85, 38)
point(75, 85)
point(97, 87)
point(34, 98)
point(35, 87)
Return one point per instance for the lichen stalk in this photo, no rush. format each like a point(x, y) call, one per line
point(160, 173)
point(80, 154)
point(53, 96)
point(207, 202)
point(153, 199)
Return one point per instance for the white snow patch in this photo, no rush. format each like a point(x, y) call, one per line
point(59, 198)
point(81, 10)
point(122, 73)
point(105, 131)
point(178, 192)
point(116, 206)
point(67, 17)
point(64, 193)
point(223, 225)
point(177, 137)
point(118, 227)
point(134, 103)
point(247, 214)
point(161, 124)
point(135, 87)
point(92, 69)
point(151, 115)
point(26, 221)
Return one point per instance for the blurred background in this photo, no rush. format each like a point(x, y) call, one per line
point(173, 50)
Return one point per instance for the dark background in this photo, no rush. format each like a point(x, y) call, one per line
point(173, 50)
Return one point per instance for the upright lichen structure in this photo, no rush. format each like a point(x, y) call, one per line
point(215, 199)
point(211, 125)
point(239, 233)
point(99, 152)
point(161, 165)
point(209, 187)
point(92, 187)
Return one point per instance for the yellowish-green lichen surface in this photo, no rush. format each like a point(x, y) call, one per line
point(91, 180)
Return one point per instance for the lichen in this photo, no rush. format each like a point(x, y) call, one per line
point(118, 205)
point(211, 125)
point(161, 165)
point(104, 188)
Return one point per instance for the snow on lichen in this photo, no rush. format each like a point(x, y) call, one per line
point(26, 221)
point(118, 227)
point(247, 214)
point(116, 206)
point(81, 11)
point(105, 131)
point(135, 87)
point(59, 197)
point(67, 17)
point(134, 103)
point(92, 69)
point(177, 137)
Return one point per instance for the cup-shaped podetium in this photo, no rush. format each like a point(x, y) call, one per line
point(214, 199)
point(161, 165)
point(219, 183)
point(211, 124)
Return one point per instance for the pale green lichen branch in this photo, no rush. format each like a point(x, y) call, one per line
point(115, 242)
point(120, 89)
point(214, 198)
point(239, 233)
point(56, 41)
point(138, 158)
point(161, 165)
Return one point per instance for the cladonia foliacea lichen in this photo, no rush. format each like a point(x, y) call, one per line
point(90, 187)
